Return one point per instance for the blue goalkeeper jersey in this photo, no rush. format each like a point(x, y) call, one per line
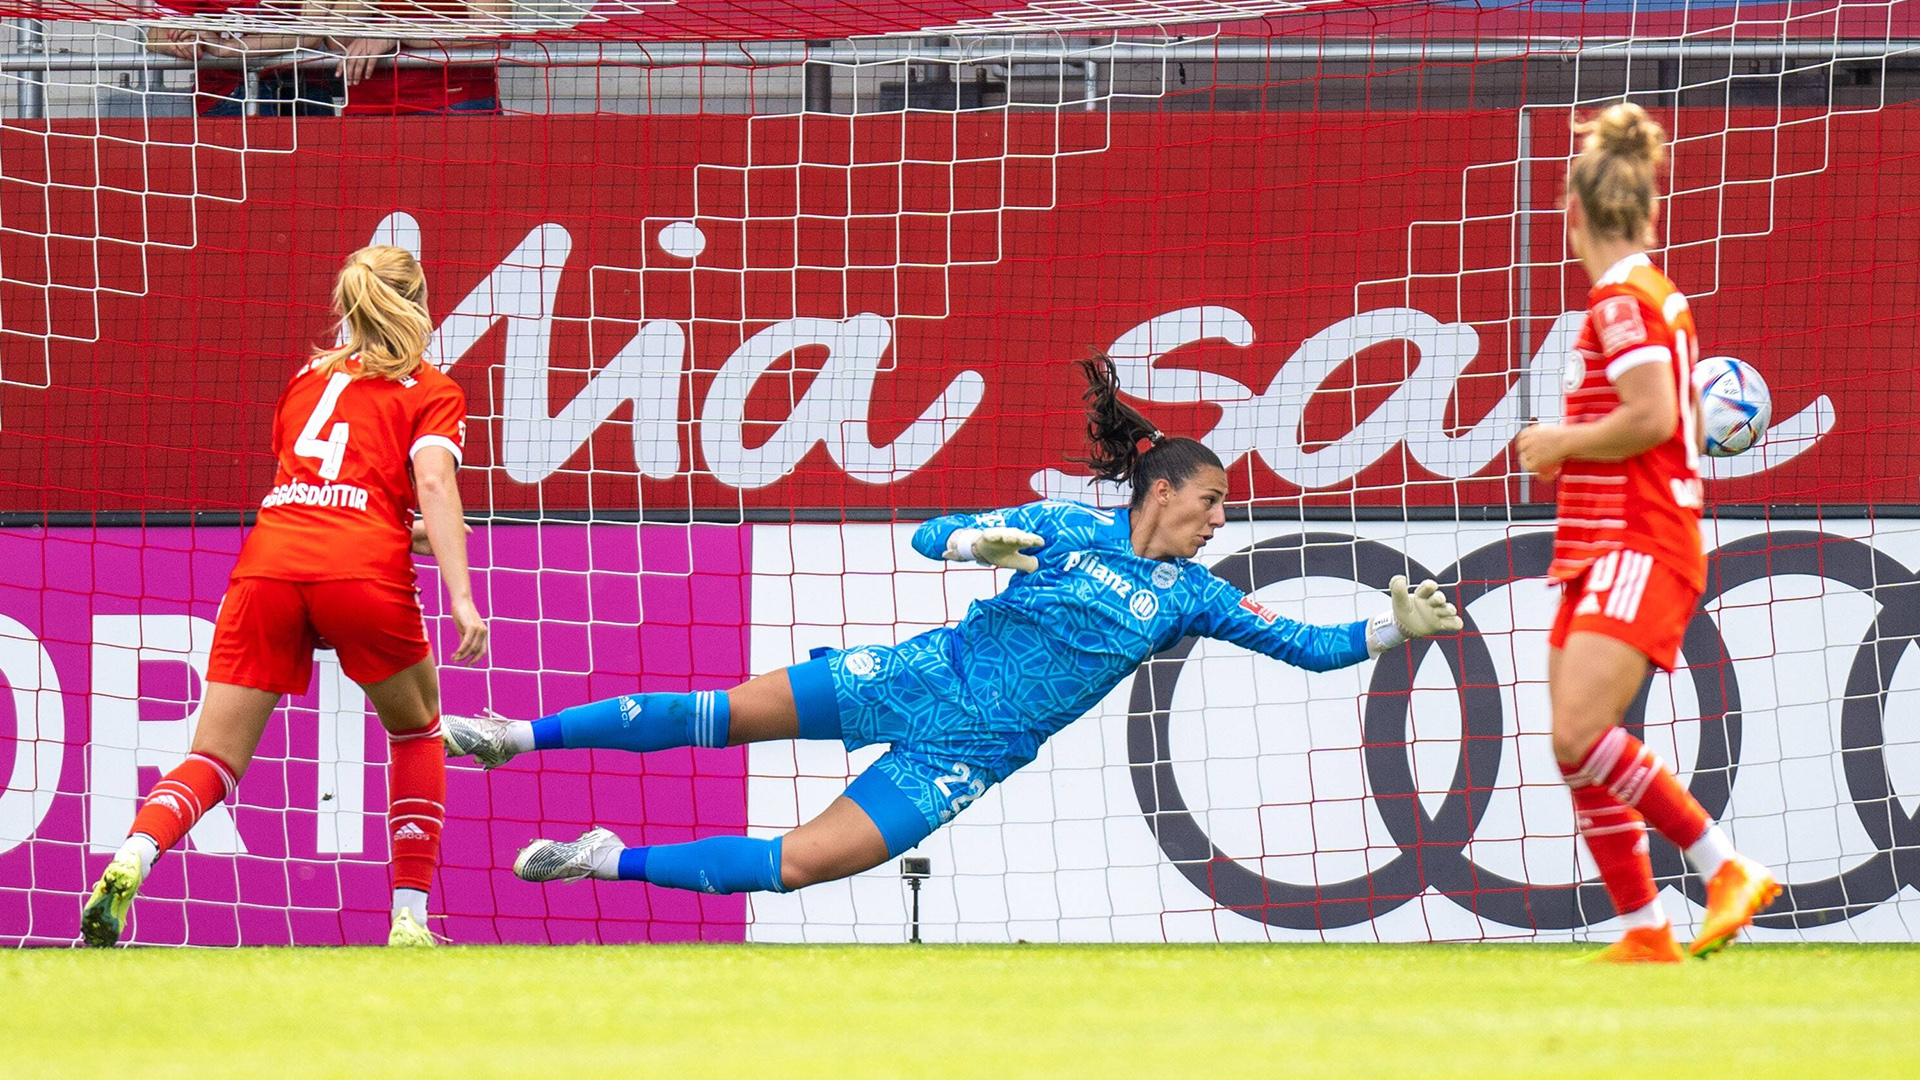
point(1046, 649)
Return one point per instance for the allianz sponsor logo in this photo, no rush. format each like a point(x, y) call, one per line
point(1142, 603)
point(1085, 562)
point(649, 373)
point(299, 493)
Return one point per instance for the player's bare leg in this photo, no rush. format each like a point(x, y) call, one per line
point(763, 709)
point(1592, 682)
point(408, 703)
point(840, 842)
point(759, 710)
point(1619, 787)
point(232, 719)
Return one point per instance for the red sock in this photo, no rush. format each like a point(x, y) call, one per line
point(1616, 835)
point(181, 797)
point(1638, 778)
point(416, 804)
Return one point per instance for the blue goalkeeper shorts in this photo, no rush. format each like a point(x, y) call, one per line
point(944, 750)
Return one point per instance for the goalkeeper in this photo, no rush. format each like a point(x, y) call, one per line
point(1094, 593)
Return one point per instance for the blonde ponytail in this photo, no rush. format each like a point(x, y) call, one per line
point(381, 298)
point(1614, 176)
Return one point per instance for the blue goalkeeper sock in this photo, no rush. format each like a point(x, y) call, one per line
point(718, 864)
point(638, 722)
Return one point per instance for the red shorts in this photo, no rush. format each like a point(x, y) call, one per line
point(1629, 596)
point(267, 629)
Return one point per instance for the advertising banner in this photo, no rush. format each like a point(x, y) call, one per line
point(778, 316)
point(1217, 795)
point(1220, 795)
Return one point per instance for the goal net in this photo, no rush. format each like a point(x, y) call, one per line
point(739, 294)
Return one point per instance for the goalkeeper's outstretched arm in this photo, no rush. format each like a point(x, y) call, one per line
point(1232, 615)
point(1011, 538)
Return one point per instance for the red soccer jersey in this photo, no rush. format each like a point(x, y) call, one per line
point(340, 503)
point(1650, 502)
point(394, 90)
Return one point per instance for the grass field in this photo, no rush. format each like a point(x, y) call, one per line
point(966, 1011)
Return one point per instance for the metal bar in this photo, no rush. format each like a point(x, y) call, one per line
point(817, 92)
point(1522, 260)
point(842, 53)
point(30, 38)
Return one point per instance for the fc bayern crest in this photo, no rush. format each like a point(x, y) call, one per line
point(1574, 373)
point(1165, 575)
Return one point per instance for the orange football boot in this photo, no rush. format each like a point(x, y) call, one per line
point(1642, 945)
point(1740, 889)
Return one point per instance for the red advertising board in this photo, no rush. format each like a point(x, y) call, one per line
point(716, 313)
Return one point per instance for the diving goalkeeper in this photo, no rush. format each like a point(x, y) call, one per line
point(1094, 593)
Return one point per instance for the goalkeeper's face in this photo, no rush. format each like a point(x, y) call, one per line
point(1186, 516)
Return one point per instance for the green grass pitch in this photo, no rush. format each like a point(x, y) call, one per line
point(674, 1012)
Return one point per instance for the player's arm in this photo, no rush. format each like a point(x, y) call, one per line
point(440, 510)
point(422, 543)
point(440, 437)
point(174, 42)
point(1640, 367)
point(198, 44)
point(1000, 538)
point(1648, 412)
point(1231, 615)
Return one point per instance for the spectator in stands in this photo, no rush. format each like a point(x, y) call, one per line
point(219, 90)
point(366, 82)
point(373, 83)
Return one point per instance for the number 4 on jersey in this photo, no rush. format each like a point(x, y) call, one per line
point(333, 448)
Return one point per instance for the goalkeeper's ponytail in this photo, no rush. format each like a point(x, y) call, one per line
point(1125, 445)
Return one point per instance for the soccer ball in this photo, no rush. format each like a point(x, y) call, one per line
point(1735, 405)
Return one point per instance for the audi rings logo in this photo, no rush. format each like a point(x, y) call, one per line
point(1433, 847)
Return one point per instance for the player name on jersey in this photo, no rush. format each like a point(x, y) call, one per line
point(344, 493)
point(344, 496)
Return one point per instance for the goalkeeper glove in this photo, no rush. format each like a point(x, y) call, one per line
point(998, 546)
point(1423, 612)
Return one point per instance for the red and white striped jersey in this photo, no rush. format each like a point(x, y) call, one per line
point(1649, 503)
